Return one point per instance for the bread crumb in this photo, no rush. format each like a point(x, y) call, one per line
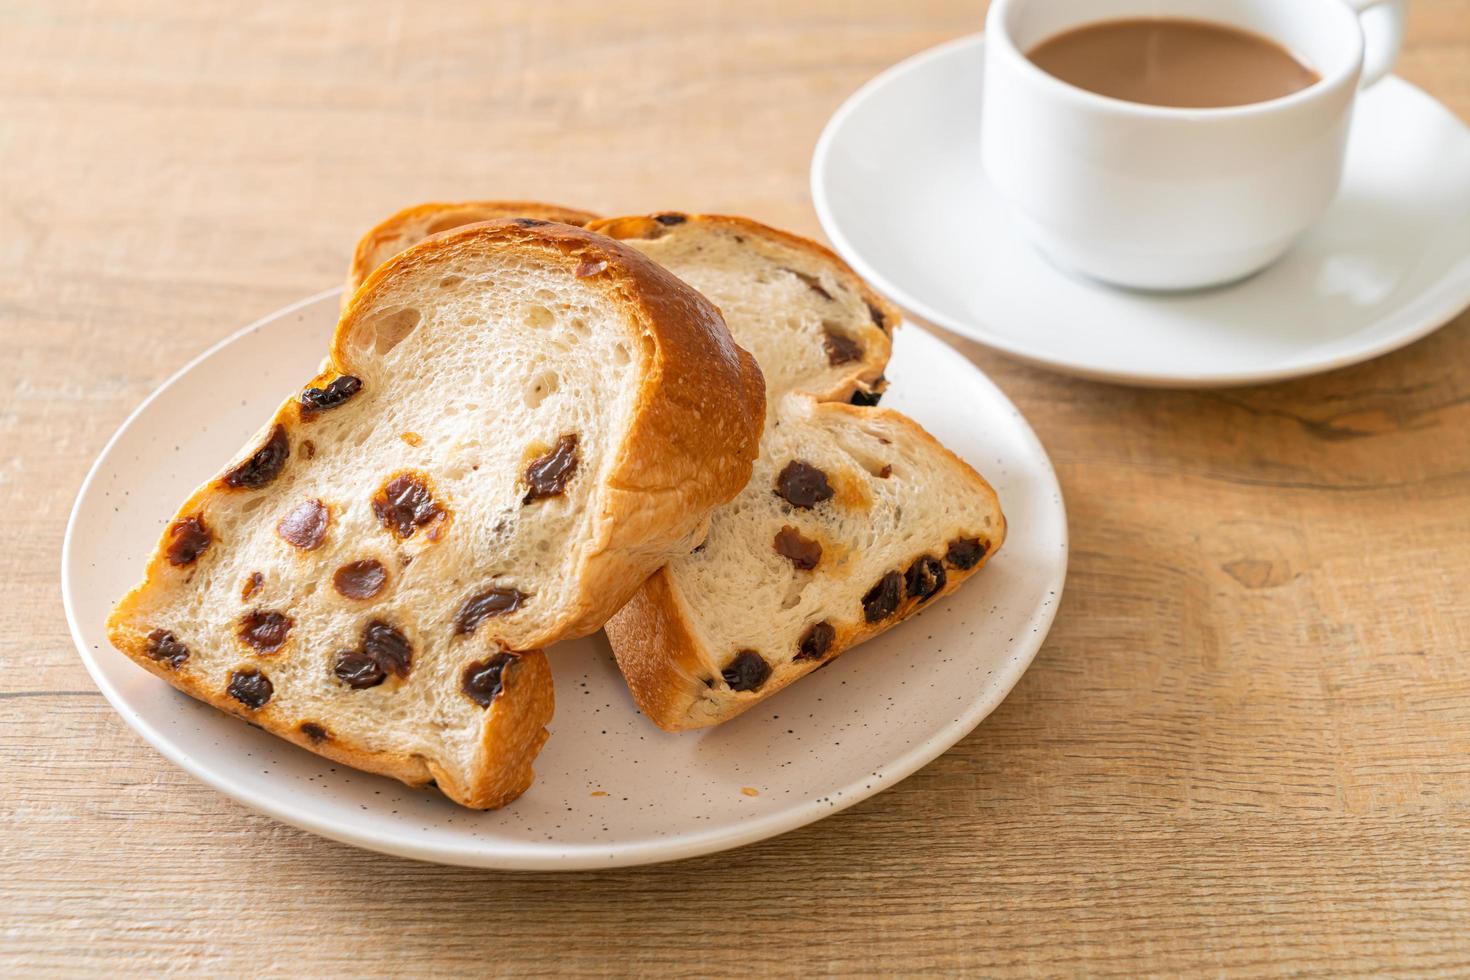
point(598, 792)
point(252, 585)
point(412, 438)
point(851, 490)
point(750, 791)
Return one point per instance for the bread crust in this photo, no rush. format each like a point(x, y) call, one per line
point(413, 224)
point(658, 653)
point(679, 458)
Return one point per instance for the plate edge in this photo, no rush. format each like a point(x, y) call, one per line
point(580, 858)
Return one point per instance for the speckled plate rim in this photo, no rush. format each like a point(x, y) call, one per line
point(578, 857)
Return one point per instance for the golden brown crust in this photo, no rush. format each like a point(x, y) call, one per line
point(657, 654)
point(413, 224)
point(516, 733)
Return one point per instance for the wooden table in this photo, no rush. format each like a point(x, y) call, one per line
point(1244, 748)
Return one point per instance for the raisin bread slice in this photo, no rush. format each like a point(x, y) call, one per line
point(412, 225)
point(811, 323)
point(519, 422)
point(855, 517)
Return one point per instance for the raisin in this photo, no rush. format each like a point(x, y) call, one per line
point(965, 553)
point(478, 608)
point(925, 578)
point(315, 732)
point(389, 648)
point(816, 641)
point(264, 465)
point(164, 647)
point(803, 551)
point(840, 349)
point(383, 650)
point(883, 598)
point(187, 540)
point(314, 400)
point(867, 399)
point(360, 579)
point(250, 687)
point(670, 218)
point(588, 268)
point(877, 316)
point(812, 282)
point(265, 630)
point(305, 526)
point(252, 585)
point(802, 485)
point(358, 670)
point(483, 680)
point(309, 448)
point(747, 672)
point(548, 475)
point(404, 504)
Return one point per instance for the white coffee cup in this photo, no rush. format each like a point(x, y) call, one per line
point(1162, 198)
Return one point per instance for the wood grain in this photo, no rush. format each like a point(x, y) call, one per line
point(1244, 749)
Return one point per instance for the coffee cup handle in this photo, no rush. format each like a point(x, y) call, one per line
point(1383, 34)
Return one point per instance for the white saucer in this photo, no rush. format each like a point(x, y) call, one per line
point(897, 186)
point(611, 789)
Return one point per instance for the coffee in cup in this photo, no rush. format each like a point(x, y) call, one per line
point(1174, 144)
point(1173, 62)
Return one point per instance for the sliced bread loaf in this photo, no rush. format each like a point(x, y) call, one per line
point(519, 421)
point(811, 323)
point(854, 518)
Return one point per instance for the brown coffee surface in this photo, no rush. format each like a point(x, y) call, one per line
point(1168, 62)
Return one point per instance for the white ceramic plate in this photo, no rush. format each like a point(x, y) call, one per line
point(897, 184)
point(863, 723)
